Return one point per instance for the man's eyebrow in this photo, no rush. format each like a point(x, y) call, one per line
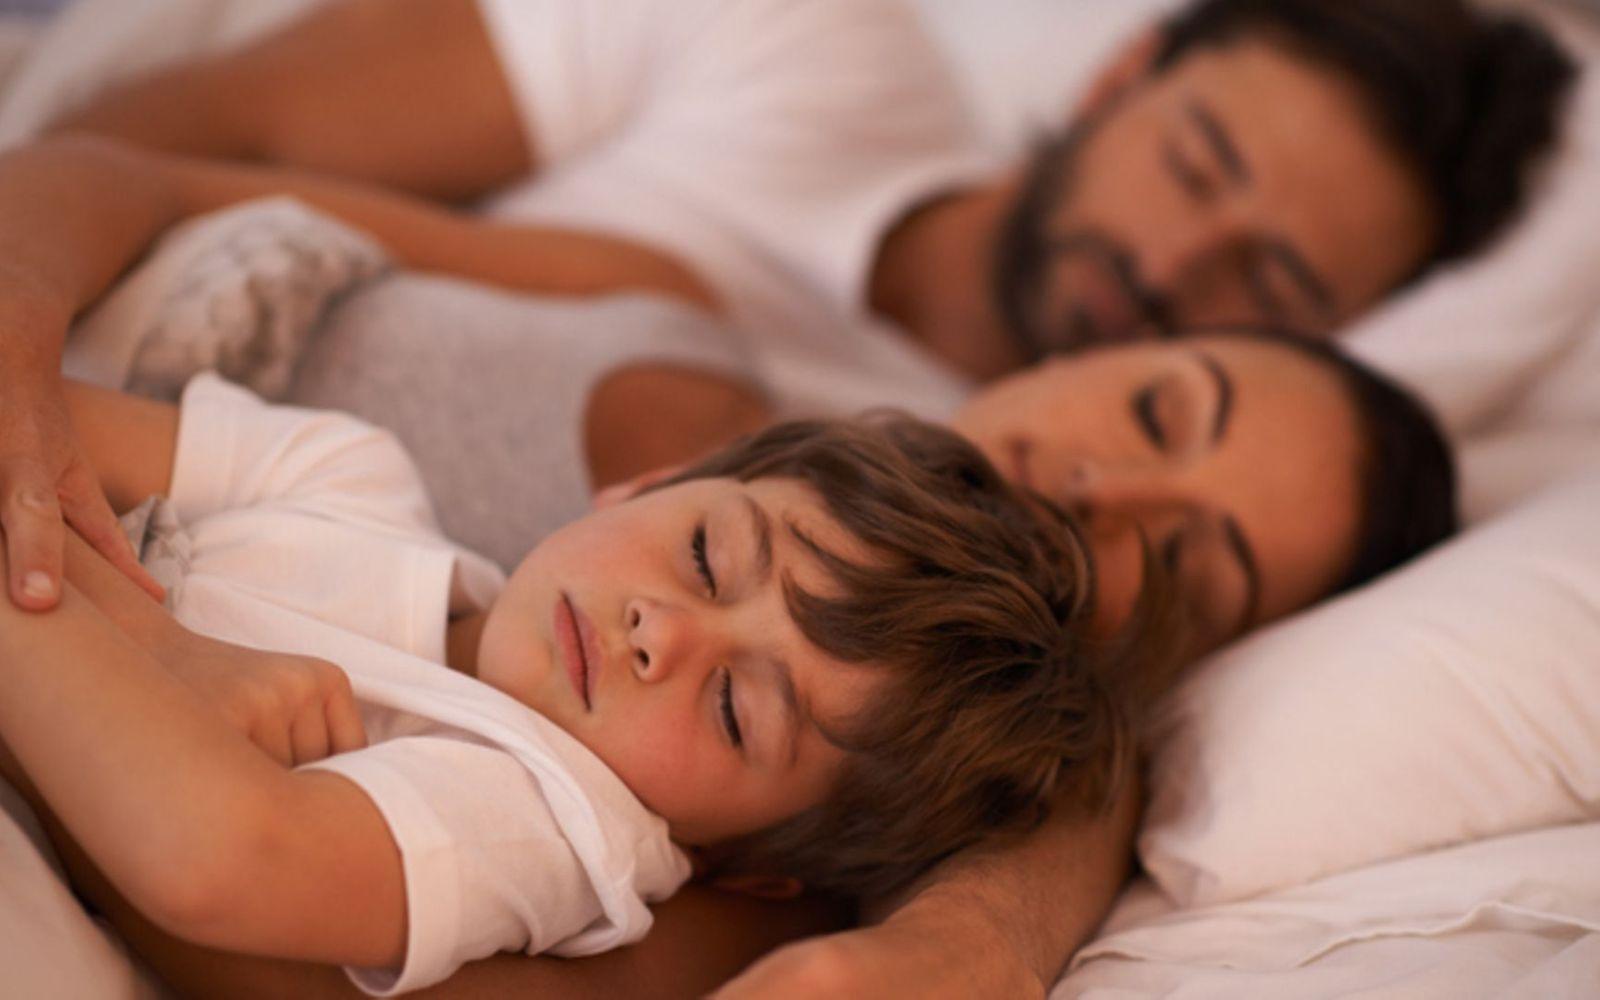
point(1219, 374)
point(1252, 571)
point(1303, 275)
point(761, 531)
point(1220, 140)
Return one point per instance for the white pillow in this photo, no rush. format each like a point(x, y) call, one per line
point(1458, 698)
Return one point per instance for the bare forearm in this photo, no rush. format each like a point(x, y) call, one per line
point(1036, 901)
point(69, 224)
point(403, 93)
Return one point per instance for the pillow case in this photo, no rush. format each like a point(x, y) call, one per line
point(1455, 699)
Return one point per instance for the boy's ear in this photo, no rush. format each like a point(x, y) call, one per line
point(1133, 62)
point(772, 887)
point(614, 494)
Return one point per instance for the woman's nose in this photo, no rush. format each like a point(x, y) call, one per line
point(1099, 491)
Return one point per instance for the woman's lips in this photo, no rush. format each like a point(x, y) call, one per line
point(573, 657)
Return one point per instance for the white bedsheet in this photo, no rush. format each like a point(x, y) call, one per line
point(1515, 916)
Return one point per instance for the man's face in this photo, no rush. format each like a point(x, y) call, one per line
point(1235, 460)
point(1242, 185)
point(656, 632)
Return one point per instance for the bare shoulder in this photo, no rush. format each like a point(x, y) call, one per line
point(647, 416)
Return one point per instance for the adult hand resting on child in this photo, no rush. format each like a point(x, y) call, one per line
point(47, 488)
point(46, 484)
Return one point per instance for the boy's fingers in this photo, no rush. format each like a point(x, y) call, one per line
point(309, 737)
point(345, 731)
point(274, 742)
point(31, 517)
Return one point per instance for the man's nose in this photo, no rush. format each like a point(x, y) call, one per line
point(664, 638)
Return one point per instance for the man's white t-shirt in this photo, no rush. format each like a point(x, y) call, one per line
point(770, 144)
point(309, 532)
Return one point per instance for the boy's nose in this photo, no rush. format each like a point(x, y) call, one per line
point(661, 638)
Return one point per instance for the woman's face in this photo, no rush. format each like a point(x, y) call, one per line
point(1236, 458)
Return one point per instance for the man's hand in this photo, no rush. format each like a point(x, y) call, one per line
point(910, 955)
point(297, 709)
point(46, 487)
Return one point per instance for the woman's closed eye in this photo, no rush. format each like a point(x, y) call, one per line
point(730, 721)
point(1144, 411)
point(702, 564)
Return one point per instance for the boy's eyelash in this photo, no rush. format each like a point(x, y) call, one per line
point(729, 721)
point(701, 563)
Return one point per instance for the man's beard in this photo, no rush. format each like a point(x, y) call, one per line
point(1027, 251)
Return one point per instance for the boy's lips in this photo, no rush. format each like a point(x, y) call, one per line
point(577, 650)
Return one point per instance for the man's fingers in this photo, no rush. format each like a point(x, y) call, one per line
point(35, 536)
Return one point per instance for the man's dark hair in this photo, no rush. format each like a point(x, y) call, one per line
point(1469, 98)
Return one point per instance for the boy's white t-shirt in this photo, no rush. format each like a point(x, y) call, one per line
point(309, 532)
point(771, 144)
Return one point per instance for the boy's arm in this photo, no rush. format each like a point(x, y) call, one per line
point(404, 93)
point(198, 828)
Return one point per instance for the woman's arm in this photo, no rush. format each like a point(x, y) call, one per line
point(75, 213)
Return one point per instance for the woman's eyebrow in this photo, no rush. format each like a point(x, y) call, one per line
point(1224, 385)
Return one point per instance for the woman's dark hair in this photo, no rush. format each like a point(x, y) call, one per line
point(1406, 482)
point(1468, 98)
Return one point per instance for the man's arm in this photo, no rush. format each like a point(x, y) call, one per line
point(404, 93)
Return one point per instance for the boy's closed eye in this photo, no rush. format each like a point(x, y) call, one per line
point(725, 703)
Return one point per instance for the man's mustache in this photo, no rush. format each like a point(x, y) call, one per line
point(1027, 252)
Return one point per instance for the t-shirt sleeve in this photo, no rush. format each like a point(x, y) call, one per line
point(235, 451)
point(487, 866)
point(805, 128)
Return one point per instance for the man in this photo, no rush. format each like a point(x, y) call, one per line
point(1285, 163)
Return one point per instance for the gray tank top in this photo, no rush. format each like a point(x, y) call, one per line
point(488, 391)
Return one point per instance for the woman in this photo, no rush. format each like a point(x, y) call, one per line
point(1256, 471)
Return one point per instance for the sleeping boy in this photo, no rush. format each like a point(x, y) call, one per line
point(829, 656)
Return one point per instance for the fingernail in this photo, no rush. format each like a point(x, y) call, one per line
point(38, 585)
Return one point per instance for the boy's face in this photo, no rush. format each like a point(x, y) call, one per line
point(656, 632)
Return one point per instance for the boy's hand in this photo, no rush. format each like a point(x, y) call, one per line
point(297, 709)
point(46, 487)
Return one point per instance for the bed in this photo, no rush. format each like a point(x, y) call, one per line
point(1394, 794)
